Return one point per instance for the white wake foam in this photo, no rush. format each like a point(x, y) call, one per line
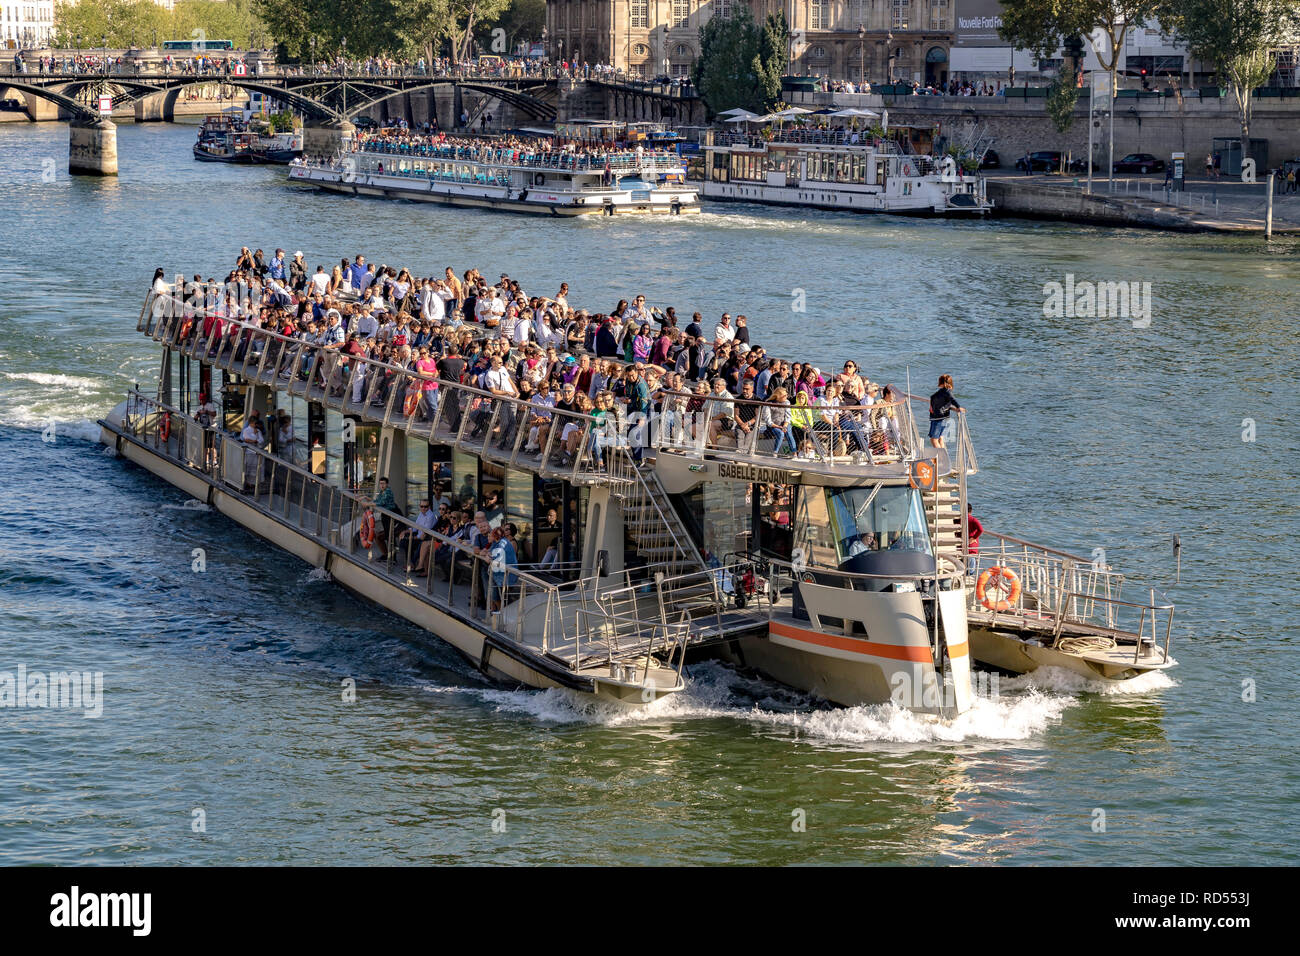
point(192, 504)
point(318, 576)
point(709, 695)
point(45, 378)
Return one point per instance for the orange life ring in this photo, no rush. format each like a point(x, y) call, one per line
point(165, 429)
point(367, 531)
point(1000, 578)
point(409, 404)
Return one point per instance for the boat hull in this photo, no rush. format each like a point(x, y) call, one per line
point(493, 656)
point(485, 197)
point(813, 198)
point(1009, 652)
point(851, 672)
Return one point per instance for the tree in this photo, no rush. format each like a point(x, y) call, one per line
point(771, 62)
point(1061, 97)
point(519, 20)
point(739, 64)
point(1238, 37)
point(1042, 26)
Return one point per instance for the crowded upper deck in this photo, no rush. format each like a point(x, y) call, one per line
point(534, 152)
point(396, 339)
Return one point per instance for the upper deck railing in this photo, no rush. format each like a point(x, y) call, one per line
point(809, 137)
point(564, 160)
point(842, 441)
point(562, 619)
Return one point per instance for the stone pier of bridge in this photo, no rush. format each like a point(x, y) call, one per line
point(92, 147)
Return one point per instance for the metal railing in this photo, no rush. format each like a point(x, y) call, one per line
point(422, 405)
point(519, 605)
point(814, 437)
point(1060, 589)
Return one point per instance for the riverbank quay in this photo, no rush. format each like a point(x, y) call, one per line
point(1207, 205)
point(1144, 122)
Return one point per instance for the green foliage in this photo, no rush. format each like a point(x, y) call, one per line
point(1061, 97)
point(522, 20)
point(137, 22)
point(1041, 25)
point(282, 122)
point(741, 64)
point(771, 62)
point(1237, 36)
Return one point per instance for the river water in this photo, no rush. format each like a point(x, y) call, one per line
point(222, 689)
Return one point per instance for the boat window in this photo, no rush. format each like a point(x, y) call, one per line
point(519, 509)
point(464, 475)
point(776, 519)
point(891, 520)
point(493, 485)
point(813, 528)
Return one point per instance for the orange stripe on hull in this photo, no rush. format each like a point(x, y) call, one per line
point(920, 655)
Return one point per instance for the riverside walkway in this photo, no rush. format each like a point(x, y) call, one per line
point(1206, 205)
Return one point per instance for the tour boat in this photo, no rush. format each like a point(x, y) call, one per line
point(822, 571)
point(828, 169)
point(844, 571)
point(223, 140)
point(555, 182)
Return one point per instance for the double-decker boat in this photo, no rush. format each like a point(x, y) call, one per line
point(639, 544)
point(841, 567)
point(837, 169)
point(489, 173)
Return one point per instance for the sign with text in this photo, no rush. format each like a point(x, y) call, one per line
point(977, 23)
point(106, 105)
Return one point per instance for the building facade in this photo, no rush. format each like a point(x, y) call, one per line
point(872, 40)
point(26, 25)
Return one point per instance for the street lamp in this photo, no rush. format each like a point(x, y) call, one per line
point(862, 59)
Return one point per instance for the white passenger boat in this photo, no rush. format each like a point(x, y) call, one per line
point(560, 182)
point(828, 169)
point(825, 571)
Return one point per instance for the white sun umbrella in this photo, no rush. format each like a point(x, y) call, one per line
point(735, 111)
point(791, 113)
point(744, 116)
point(854, 111)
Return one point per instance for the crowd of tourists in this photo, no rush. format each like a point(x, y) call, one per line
point(707, 386)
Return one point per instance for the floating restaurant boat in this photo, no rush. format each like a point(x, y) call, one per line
point(556, 182)
point(844, 571)
point(223, 139)
point(827, 169)
point(229, 139)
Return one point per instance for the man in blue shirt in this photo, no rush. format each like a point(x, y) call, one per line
point(277, 266)
point(358, 271)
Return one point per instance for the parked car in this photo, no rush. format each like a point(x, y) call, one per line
point(365, 123)
point(11, 106)
point(990, 160)
point(1049, 161)
point(1139, 163)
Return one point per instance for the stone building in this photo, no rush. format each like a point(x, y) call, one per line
point(841, 39)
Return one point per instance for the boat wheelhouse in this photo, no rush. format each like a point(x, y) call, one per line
point(837, 169)
point(560, 182)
